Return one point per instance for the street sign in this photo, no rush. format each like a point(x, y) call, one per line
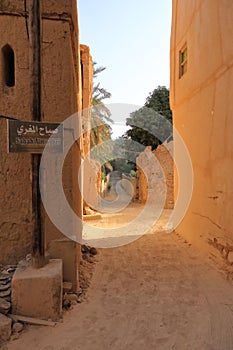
point(32, 136)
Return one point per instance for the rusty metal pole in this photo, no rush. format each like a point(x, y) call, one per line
point(35, 87)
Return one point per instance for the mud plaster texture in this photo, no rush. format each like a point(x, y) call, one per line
point(202, 105)
point(61, 97)
point(155, 173)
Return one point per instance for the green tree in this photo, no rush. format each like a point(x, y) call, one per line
point(158, 100)
point(125, 153)
point(101, 115)
point(151, 125)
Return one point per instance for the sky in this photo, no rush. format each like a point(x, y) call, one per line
point(131, 38)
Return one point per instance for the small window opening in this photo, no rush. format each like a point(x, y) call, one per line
point(183, 56)
point(8, 66)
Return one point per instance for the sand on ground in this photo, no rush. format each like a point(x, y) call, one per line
point(158, 292)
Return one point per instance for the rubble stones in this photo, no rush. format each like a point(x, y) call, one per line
point(17, 327)
point(4, 306)
point(5, 328)
point(88, 253)
point(66, 304)
point(6, 274)
point(4, 287)
point(15, 336)
point(71, 297)
point(86, 269)
point(93, 251)
point(69, 300)
point(4, 278)
point(67, 287)
point(29, 257)
point(89, 250)
point(5, 293)
point(11, 269)
point(85, 249)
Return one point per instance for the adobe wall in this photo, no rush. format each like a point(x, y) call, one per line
point(87, 85)
point(15, 169)
point(202, 105)
point(61, 90)
point(129, 184)
point(92, 168)
point(156, 175)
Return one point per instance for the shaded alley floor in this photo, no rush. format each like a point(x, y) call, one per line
point(155, 293)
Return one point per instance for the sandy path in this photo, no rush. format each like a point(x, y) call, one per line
point(156, 293)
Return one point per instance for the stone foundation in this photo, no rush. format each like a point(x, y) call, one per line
point(38, 292)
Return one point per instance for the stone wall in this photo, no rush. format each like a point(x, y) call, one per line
point(155, 173)
point(61, 97)
point(202, 106)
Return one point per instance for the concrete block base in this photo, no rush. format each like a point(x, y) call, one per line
point(5, 328)
point(70, 253)
point(38, 292)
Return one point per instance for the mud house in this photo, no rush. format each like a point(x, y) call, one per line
point(201, 100)
point(62, 96)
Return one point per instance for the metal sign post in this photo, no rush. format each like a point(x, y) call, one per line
point(35, 87)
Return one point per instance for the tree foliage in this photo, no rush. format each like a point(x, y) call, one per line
point(158, 100)
point(101, 115)
point(151, 125)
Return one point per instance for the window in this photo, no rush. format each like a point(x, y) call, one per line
point(183, 57)
point(8, 66)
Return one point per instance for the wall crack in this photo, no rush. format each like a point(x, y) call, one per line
point(208, 218)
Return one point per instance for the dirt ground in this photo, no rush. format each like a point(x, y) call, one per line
point(155, 293)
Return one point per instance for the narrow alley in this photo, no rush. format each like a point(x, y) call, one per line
point(116, 163)
point(156, 293)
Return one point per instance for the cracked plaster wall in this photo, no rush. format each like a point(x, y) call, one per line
point(202, 106)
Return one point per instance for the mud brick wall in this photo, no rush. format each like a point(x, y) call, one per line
point(157, 175)
point(61, 97)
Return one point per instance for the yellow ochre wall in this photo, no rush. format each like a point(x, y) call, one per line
point(202, 104)
point(61, 97)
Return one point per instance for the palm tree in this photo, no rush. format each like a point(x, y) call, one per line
point(101, 115)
